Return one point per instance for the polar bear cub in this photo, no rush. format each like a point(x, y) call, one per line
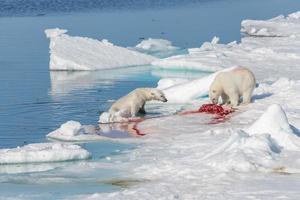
point(232, 85)
point(134, 102)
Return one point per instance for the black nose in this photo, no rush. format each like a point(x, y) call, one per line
point(165, 100)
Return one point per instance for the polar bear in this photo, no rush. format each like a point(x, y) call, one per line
point(134, 102)
point(232, 85)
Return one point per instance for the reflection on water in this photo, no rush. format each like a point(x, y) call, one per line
point(65, 82)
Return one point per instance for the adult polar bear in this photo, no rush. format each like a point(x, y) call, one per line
point(232, 85)
point(131, 104)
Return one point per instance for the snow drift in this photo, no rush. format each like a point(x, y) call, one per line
point(244, 153)
point(274, 122)
point(258, 147)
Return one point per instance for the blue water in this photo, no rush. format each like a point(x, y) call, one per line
point(33, 102)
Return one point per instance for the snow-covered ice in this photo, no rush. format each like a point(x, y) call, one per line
point(257, 53)
point(43, 152)
point(196, 159)
point(279, 26)
point(81, 53)
point(244, 153)
point(185, 91)
point(252, 154)
point(206, 58)
point(156, 47)
point(274, 122)
point(74, 131)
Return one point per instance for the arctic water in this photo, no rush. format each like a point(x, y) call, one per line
point(35, 101)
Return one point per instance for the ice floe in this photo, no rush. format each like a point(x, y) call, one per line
point(257, 53)
point(81, 53)
point(43, 152)
point(206, 58)
point(279, 26)
point(156, 47)
point(74, 131)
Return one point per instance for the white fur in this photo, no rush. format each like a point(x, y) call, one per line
point(232, 85)
point(134, 102)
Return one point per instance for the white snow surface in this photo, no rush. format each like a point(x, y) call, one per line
point(82, 53)
point(279, 26)
point(253, 154)
point(274, 121)
point(43, 152)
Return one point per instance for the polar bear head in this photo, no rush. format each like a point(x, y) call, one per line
point(155, 94)
point(214, 96)
point(214, 92)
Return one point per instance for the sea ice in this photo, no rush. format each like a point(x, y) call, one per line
point(189, 90)
point(257, 53)
point(204, 59)
point(274, 122)
point(43, 152)
point(242, 152)
point(279, 26)
point(169, 82)
point(74, 131)
point(188, 153)
point(81, 53)
point(156, 47)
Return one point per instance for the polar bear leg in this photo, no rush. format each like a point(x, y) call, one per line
point(233, 98)
point(225, 99)
point(142, 110)
point(134, 110)
point(247, 96)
